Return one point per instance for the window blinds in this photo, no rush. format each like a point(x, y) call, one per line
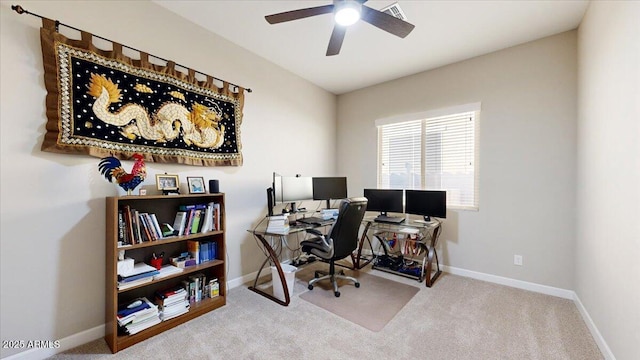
point(436, 153)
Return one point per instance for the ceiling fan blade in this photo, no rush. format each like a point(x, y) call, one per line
point(298, 14)
point(335, 43)
point(386, 22)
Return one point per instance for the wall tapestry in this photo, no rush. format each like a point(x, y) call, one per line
point(103, 103)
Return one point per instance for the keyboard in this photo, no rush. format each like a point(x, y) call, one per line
point(313, 220)
point(389, 219)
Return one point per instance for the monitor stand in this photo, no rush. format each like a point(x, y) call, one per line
point(426, 220)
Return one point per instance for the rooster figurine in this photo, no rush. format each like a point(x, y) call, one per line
point(111, 168)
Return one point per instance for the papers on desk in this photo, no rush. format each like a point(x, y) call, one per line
point(408, 230)
point(278, 223)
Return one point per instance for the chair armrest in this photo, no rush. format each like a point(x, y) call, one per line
point(315, 232)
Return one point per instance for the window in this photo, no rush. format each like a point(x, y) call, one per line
point(436, 150)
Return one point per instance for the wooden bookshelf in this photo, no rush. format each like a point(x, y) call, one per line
point(165, 208)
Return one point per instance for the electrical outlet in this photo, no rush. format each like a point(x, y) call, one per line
point(517, 260)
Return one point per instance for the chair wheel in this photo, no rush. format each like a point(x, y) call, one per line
point(310, 287)
point(337, 293)
point(357, 285)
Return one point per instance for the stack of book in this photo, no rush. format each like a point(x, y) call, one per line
point(172, 302)
point(195, 286)
point(197, 218)
point(278, 223)
point(141, 274)
point(202, 251)
point(138, 315)
point(135, 227)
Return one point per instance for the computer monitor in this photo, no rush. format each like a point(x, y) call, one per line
point(329, 188)
point(426, 203)
point(293, 189)
point(384, 200)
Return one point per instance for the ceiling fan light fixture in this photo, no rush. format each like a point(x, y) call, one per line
point(348, 13)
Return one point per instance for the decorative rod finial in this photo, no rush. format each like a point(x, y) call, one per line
point(17, 8)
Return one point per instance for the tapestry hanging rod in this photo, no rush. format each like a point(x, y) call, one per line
point(20, 10)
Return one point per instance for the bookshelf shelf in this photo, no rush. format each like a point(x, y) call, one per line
point(188, 270)
point(164, 207)
point(169, 240)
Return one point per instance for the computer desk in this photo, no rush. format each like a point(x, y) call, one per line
point(271, 243)
point(411, 235)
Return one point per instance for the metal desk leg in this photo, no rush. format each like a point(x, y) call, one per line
point(432, 253)
point(428, 279)
point(356, 261)
point(272, 256)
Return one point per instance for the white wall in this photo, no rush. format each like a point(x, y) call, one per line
point(527, 154)
point(608, 195)
point(52, 205)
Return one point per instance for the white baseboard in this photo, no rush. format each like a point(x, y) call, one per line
point(234, 283)
point(543, 289)
point(65, 344)
point(525, 285)
point(602, 345)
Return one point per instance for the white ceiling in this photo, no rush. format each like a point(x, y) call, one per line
point(445, 32)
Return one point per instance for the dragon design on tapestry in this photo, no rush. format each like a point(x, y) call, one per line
point(199, 125)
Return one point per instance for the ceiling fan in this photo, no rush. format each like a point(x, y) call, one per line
point(346, 12)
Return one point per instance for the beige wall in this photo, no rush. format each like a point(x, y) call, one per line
point(52, 230)
point(527, 154)
point(608, 195)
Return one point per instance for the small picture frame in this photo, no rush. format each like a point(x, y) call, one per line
point(167, 183)
point(196, 185)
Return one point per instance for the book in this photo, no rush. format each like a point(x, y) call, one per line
point(168, 230)
point(156, 226)
point(130, 284)
point(191, 207)
point(207, 224)
point(135, 217)
point(180, 222)
point(196, 286)
point(195, 224)
point(121, 228)
point(139, 268)
point(126, 210)
point(135, 308)
point(193, 247)
point(278, 223)
point(148, 274)
point(187, 228)
point(144, 227)
point(216, 217)
point(182, 261)
point(206, 251)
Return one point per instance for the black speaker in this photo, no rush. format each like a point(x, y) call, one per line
point(270, 201)
point(214, 186)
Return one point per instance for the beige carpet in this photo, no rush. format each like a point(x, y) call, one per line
point(457, 319)
point(371, 306)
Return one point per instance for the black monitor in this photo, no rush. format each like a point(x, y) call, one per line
point(426, 203)
point(384, 200)
point(329, 188)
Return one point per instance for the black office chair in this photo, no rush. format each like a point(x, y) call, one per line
point(339, 243)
